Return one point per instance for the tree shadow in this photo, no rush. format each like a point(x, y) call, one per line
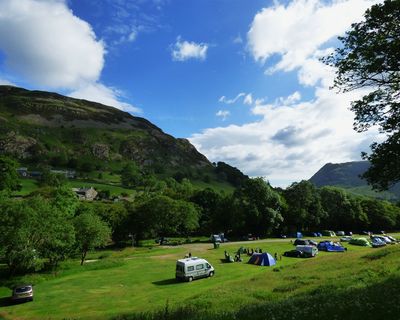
point(166, 282)
point(5, 302)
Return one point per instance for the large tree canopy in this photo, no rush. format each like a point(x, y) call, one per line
point(369, 58)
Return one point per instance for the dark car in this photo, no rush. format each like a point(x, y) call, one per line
point(22, 293)
point(294, 254)
point(304, 242)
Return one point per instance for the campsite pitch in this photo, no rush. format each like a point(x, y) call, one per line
point(142, 281)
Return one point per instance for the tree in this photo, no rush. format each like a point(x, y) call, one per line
point(8, 174)
point(131, 176)
point(90, 232)
point(32, 230)
point(370, 59)
point(51, 179)
point(260, 206)
point(304, 206)
point(159, 215)
point(343, 210)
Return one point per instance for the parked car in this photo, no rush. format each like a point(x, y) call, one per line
point(193, 268)
point(249, 237)
point(377, 242)
point(215, 238)
point(294, 254)
point(346, 238)
point(383, 238)
point(309, 251)
point(304, 242)
point(340, 233)
point(328, 233)
point(22, 293)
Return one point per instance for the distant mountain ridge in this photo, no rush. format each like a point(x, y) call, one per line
point(347, 175)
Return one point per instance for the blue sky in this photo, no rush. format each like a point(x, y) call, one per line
point(240, 79)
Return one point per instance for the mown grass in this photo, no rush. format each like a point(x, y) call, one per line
point(138, 283)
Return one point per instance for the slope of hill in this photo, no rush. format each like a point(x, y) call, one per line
point(347, 176)
point(47, 129)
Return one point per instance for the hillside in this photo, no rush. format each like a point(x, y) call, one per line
point(47, 129)
point(347, 176)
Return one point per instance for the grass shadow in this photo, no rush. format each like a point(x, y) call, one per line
point(5, 302)
point(166, 282)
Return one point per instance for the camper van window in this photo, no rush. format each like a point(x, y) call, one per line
point(208, 266)
point(179, 268)
point(200, 266)
point(191, 268)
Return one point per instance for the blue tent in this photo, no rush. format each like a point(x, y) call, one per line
point(330, 246)
point(262, 259)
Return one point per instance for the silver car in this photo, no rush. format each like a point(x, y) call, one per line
point(22, 293)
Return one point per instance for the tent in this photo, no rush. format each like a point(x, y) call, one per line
point(360, 242)
point(262, 259)
point(330, 246)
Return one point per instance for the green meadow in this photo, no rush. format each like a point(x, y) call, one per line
point(139, 283)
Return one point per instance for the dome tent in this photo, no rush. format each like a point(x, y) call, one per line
point(262, 259)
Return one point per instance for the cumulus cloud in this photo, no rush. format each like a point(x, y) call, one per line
point(295, 137)
point(292, 140)
point(47, 44)
point(297, 31)
point(184, 50)
point(223, 114)
point(105, 95)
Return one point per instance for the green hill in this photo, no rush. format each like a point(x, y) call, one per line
point(47, 129)
point(347, 176)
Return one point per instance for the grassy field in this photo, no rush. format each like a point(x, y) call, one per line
point(136, 283)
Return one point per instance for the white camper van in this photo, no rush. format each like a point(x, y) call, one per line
point(193, 268)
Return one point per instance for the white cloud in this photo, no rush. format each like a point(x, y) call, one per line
point(291, 141)
point(295, 32)
point(223, 114)
point(225, 100)
point(5, 82)
point(100, 93)
point(248, 99)
point(47, 44)
point(184, 50)
point(238, 39)
point(294, 137)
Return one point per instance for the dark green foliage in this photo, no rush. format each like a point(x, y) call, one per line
point(230, 174)
point(50, 179)
point(382, 215)
point(304, 210)
point(90, 232)
point(259, 206)
point(34, 229)
point(8, 174)
point(210, 203)
point(369, 58)
point(344, 211)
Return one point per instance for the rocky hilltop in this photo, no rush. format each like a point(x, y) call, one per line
point(43, 128)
